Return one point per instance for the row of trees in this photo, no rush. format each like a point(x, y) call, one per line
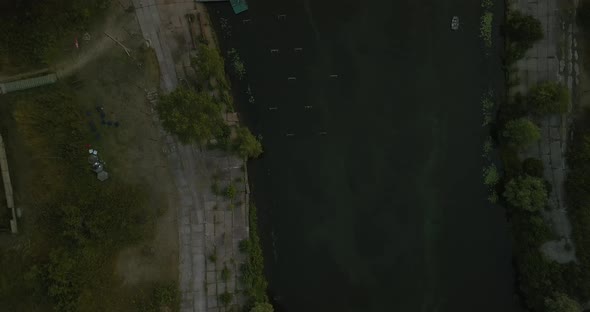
point(543, 283)
point(543, 99)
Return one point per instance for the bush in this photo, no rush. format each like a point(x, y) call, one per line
point(521, 132)
point(548, 98)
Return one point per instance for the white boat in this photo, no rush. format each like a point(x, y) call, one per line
point(455, 23)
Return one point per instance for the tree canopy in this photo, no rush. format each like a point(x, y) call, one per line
point(562, 303)
point(526, 192)
point(523, 29)
point(246, 144)
point(521, 132)
point(548, 98)
point(192, 116)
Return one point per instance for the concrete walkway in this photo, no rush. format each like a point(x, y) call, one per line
point(210, 226)
point(552, 59)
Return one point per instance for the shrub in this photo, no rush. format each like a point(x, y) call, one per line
point(548, 98)
point(230, 191)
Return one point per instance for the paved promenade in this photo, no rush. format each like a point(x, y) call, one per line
point(552, 59)
point(210, 225)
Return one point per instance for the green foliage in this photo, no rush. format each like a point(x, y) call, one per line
point(246, 144)
point(548, 98)
point(210, 65)
point(192, 116)
point(533, 167)
point(485, 28)
point(226, 298)
point(230, 191)
point(487, 4)
point(262, 307)
point(561, 303)
point(521, 132)
point(526, 193)
point(253, 270)
point(521, 31)
point(31, 30)
point(164, 297)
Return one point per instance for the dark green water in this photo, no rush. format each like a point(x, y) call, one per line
point(386, 211)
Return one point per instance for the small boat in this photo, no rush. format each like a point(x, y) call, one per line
point(455, 23)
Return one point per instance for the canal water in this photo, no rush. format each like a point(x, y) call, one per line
point(370, 189)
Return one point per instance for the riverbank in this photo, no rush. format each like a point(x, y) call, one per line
point(545, 253)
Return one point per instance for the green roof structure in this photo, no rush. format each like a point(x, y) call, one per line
point(239, 6)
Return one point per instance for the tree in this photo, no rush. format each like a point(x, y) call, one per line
point(562, 303)
point(523, 29)
point(548, 98)
point(526, 192)
point(193, 117)
point(521, 132)
point(246, 144)
point(262, 307)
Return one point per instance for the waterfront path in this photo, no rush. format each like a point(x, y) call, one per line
point(552, 59)
point(210, 225)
